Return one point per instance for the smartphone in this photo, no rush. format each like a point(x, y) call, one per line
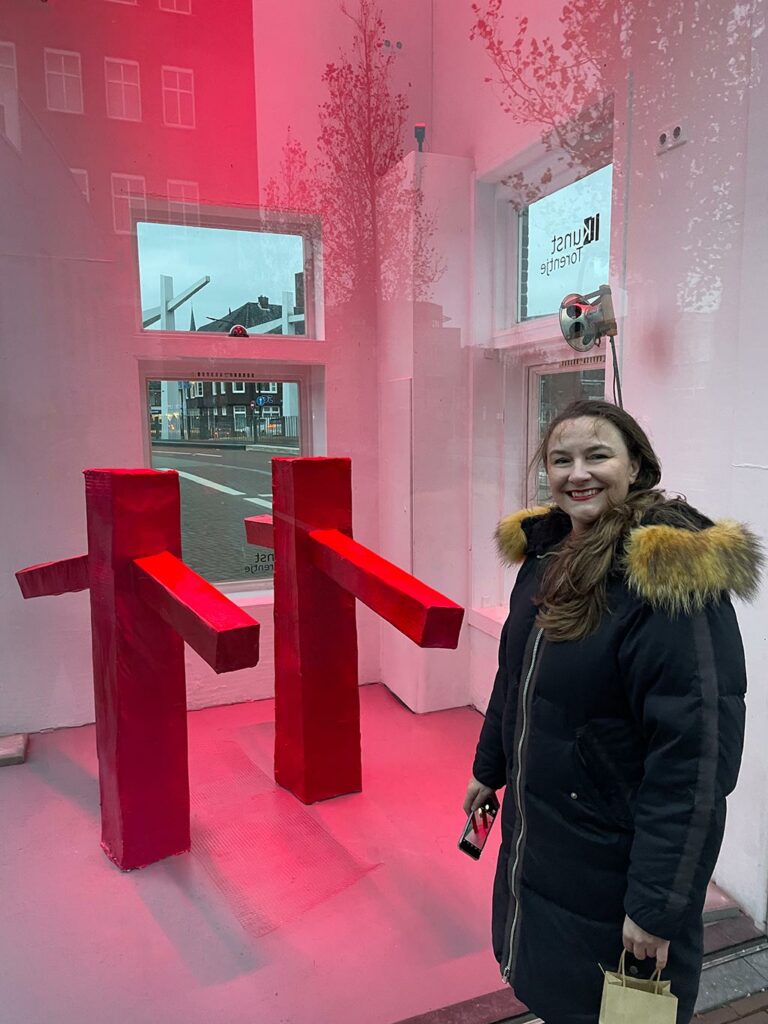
point(477, 828)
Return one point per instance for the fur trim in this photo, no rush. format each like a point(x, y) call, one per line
point(672, 568)
point(510, 538)
point(680, 570)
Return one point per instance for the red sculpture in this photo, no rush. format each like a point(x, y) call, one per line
point(145, 602)
point(319, 571)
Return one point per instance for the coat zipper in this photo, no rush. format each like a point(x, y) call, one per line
point(521, 808)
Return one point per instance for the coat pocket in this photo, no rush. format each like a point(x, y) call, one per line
point(605, 780)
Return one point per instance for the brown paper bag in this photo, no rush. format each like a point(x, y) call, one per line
point(629, 1000)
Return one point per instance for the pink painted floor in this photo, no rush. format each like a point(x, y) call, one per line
point(359, 909)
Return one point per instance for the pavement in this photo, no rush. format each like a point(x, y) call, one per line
point(752, 1009)
point(219, 488)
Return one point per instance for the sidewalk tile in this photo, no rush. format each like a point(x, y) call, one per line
point(750, 1004)
point(726, 982)
point(755, 1018)
point(760, 963)
point(723, 1015)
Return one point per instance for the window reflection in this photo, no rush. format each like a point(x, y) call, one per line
point(220, 436)
point(213, 279)
point(554, 391)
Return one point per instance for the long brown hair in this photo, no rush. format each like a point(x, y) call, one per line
point(572, 595)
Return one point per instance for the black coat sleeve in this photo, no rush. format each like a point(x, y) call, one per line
point(685, 680)
point(490, 765)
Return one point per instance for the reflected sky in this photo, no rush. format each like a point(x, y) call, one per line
point(242, 266)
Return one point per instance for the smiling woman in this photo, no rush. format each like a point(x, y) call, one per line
point(621, 648)
point(589, 469)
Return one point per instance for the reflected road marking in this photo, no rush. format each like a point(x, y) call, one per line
point(204, 482)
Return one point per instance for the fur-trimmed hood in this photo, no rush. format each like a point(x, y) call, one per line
point(678, 569)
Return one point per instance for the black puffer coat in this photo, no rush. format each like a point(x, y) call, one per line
point(617, 752)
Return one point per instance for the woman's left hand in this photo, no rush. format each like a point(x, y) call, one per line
point(642, 944)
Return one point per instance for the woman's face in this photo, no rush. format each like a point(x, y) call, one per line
point(589, 469)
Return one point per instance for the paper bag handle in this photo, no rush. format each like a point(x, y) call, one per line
point(655, 977)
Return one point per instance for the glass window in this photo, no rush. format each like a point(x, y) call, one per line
point(221, 449)
point(564, 244)
point(81, 177)
point(183, 201)
point(123, 89)
point(8, 66)
point(227, 276)
point(63, 81)
point(178, 97)
point(10, 127)
point(177, 6)
point(551, 389)
point(238, 387)
point(129, 194)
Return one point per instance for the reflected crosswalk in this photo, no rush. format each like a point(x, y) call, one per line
point(205, 482)
point(265, 500)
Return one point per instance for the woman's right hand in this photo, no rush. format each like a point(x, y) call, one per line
point(477, 795)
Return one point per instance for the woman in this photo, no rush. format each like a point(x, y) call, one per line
point(616, 720)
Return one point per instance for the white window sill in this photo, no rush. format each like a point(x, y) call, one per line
point(248, 598)
point(538, 331)
point(488, 620)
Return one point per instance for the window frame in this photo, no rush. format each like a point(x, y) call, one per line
point(533, 373)
point(53, 51)
point(255, 219)
point(174, 9)
point(12, 67)
point(179, 209)
point(134, 214)
point(165, 89)
point(238, 387)
point(86, 193)
point(310, 381)
point(122, 63)
point(495, 298)
point(10, 128)
point(237, 412)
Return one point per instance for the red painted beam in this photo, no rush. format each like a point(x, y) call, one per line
point(421, 613)
point(222, 634)
point(50, 578)
point(317, 704)
point(138, 669)
point(259, 530)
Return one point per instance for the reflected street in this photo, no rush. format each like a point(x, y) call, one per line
point(220, 486)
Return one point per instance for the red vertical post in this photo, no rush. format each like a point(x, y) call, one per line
point(317, 706)
point(138, 663)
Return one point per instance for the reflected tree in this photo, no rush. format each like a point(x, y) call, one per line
point(357, 182)
point(558, 86)
point(565, 86)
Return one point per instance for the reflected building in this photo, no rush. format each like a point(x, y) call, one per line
point(146, 77)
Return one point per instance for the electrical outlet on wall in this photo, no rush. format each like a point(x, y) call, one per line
point(670, 137)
